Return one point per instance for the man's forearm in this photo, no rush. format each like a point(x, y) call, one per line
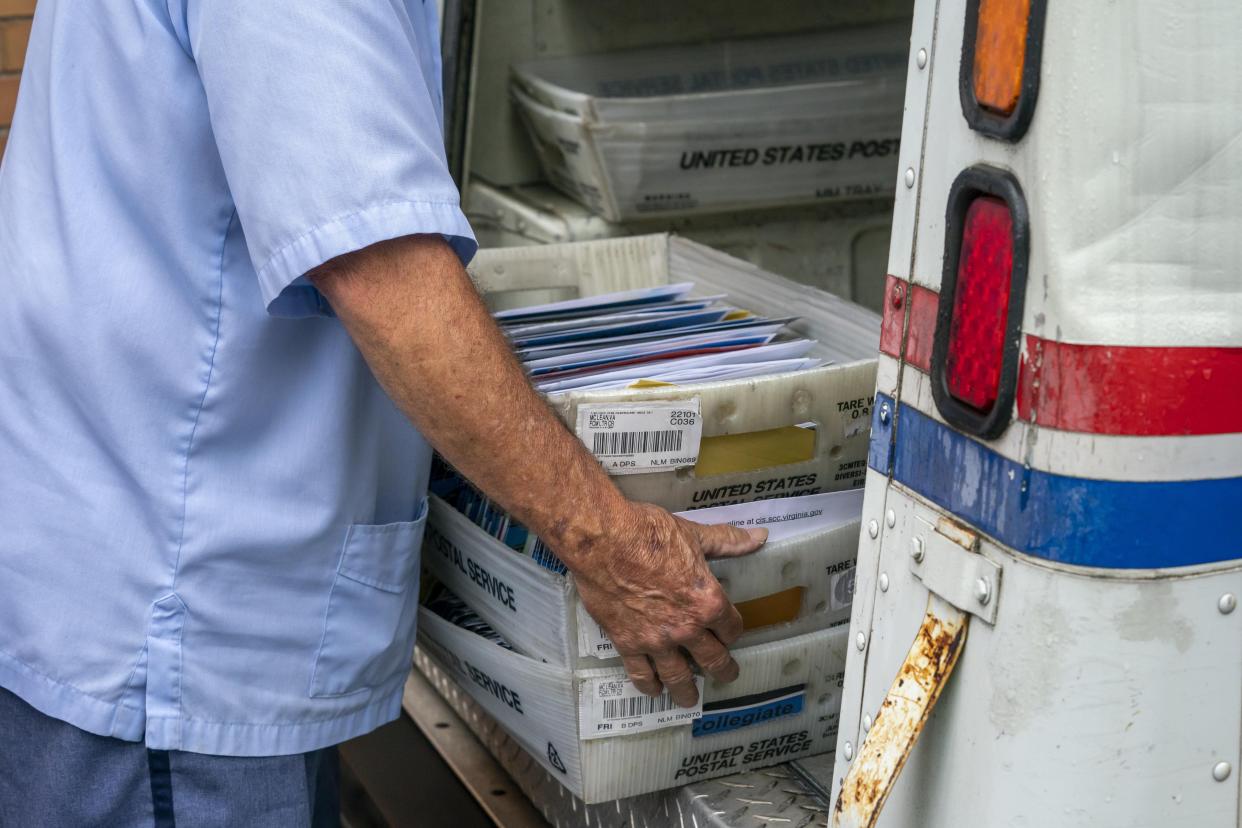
point(641, 572)
point(433, 346)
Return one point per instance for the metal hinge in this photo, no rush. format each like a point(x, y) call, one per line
point(962, 583)
point(901, 717)
point(948, 563)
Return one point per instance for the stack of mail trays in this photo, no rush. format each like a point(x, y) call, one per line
point(672, 130)
point(784, 450)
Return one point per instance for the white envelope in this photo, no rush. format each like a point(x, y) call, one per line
point(764, 353)
point(786, 517)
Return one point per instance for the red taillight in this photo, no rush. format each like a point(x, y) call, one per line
point(980, 304)
point(974, 363)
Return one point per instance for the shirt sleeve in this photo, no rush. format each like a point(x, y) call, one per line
point(327, 117)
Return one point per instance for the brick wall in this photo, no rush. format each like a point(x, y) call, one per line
point(14, 32)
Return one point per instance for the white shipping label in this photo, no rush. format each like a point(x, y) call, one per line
point(612, 706)
point(633, 438)
point(592, 640)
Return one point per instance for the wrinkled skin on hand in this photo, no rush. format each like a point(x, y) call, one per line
point(650, 588)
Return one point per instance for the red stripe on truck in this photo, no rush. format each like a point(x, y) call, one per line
point(1129, 390)
point(1094, 389)
point(894, 316)
point(918, 340)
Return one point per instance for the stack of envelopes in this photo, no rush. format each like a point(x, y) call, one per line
point(633, 338)
point(649, 335)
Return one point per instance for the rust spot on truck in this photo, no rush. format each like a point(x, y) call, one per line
point(902, 716)
point(938, 644)
point(963, 536)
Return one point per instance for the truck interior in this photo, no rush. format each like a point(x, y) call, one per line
point(838, 245)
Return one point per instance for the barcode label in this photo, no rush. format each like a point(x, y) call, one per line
point(592, 640)
point(632, 438)
point(612, 706)
point(609, 443)
point(640, 706)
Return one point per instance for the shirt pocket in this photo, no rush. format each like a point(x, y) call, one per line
point(368, 630)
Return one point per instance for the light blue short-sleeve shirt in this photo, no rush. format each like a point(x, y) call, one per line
point(211, 512)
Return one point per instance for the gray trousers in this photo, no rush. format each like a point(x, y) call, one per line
point(53, 774)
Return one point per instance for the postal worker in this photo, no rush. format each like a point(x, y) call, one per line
point(235, 322)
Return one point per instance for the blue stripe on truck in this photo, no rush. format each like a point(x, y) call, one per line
point(1073, 520)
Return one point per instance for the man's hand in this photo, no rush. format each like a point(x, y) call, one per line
point(655, 597)
point(417, 319)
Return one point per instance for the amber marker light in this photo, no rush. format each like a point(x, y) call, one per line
point(1000, 65)
point(1000, 50)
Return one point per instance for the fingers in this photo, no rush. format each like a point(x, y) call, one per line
point(726, 625)
point(721, 540)
point(642, 674)
point(707, 645)
point(712, 656)
point(674, 672)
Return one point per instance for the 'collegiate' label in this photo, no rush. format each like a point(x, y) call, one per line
point(759, 708)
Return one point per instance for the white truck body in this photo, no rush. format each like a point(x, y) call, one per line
point(1091, 546)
